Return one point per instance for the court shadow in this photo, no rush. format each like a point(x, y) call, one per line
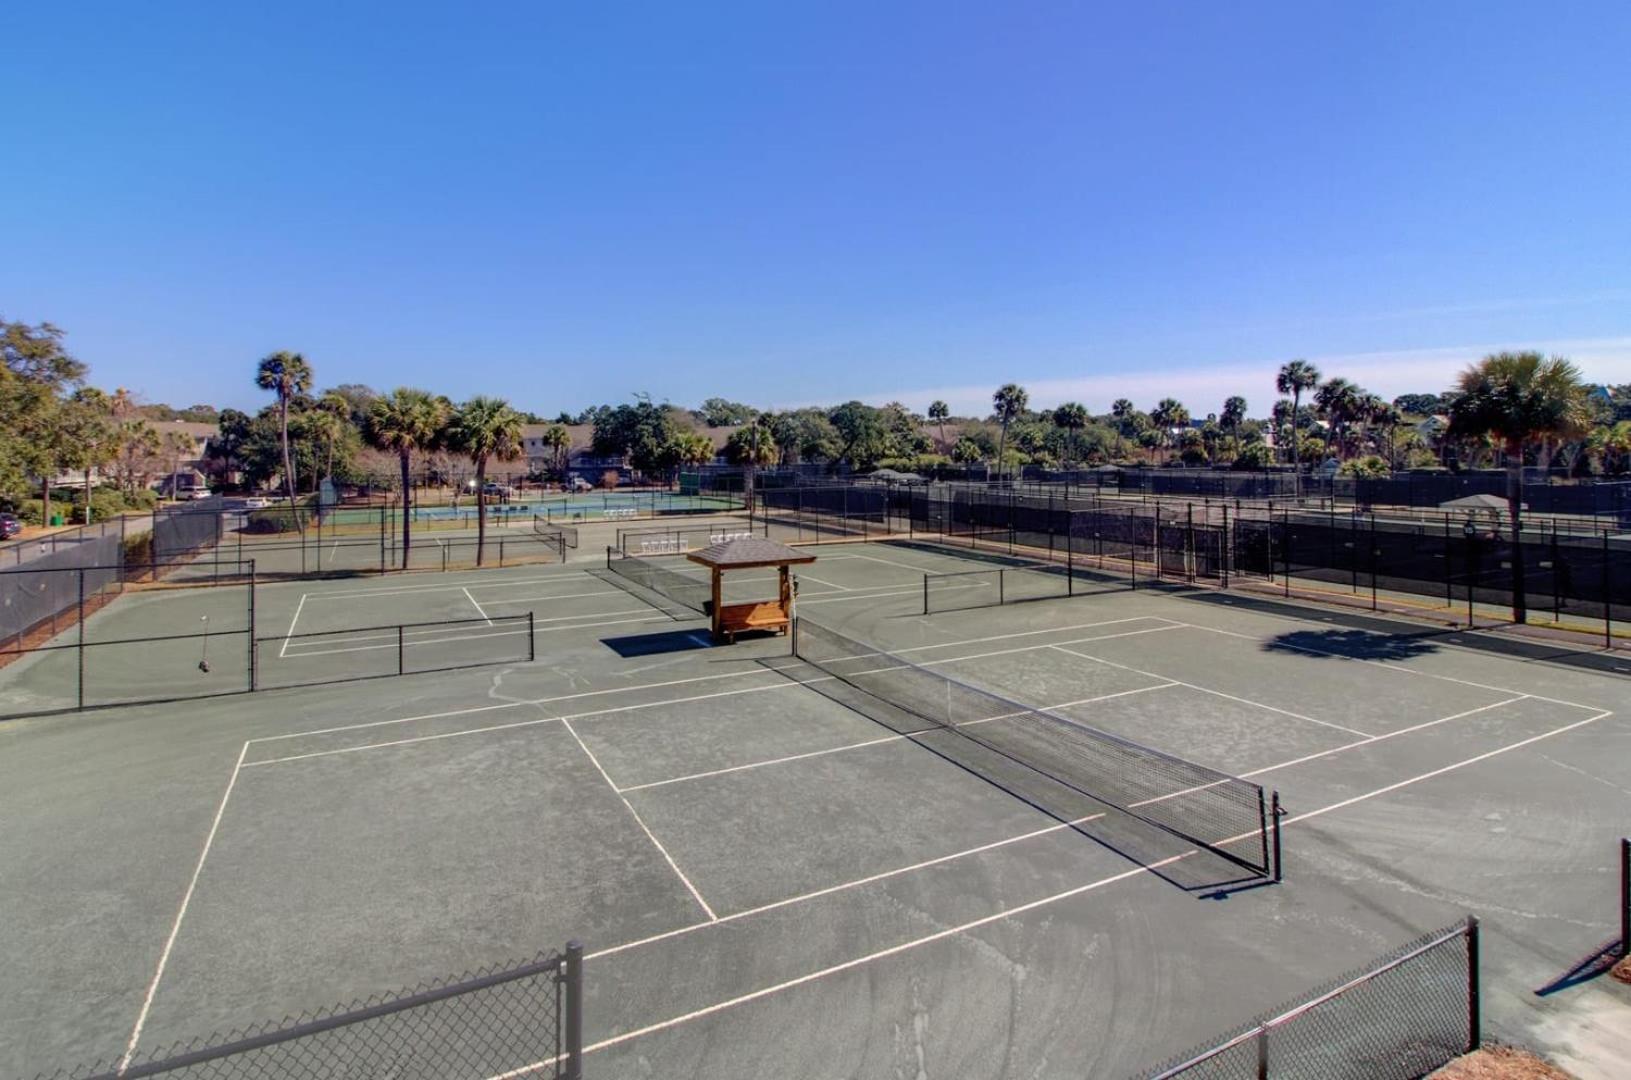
point(1351, 644)
point(1599, 962)
point(1176, 859)
point(667, 641)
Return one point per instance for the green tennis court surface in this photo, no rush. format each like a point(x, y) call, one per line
point(771, 880)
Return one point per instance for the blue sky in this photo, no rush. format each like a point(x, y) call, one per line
point(566, 203)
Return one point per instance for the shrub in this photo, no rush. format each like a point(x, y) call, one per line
point(1367, 467)
point(139, 550)
point(1254, 456)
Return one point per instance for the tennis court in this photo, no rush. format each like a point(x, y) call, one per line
point(786, 866)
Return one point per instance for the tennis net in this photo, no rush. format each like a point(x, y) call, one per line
point(691, 593)
point(1223, 813)
point(565, 535)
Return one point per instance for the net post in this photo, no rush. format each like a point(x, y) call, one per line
point(572, 979)
point(1276, 813)
point(1625, 896)
point(532, 639)
point(1002, 576)
point(925, 594)
point(400, 648)
point(1475, 1021)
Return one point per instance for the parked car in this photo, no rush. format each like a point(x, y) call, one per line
point(257, 503)
point(10, 526)
point(199, 493)
point(580, 484)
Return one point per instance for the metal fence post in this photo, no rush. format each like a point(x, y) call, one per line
point(1475, 1019)
point(253, 655)
point(399, 650)
point(573, 1035)
point(1263, 1053)
point(81, 649)
point(532, 640)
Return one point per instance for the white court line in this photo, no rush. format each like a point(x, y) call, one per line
point(454, 586)
point(1390, 667)
point(1019, 909)
point(290, 634)
point(478, 607)
point(469, 710)
point(175, 927)
point(878, 741)
point(786, 683)
point(477, 637)
point(1215, 693)
point(821, 581)
point(533, 722)
point(563, 596)
point(870, 879)
point(638, 820)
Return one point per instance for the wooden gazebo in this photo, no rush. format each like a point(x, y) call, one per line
point(751, 553)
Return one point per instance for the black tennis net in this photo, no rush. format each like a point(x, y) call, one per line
point(1223, 813)
point(565, 535)
point(693, 594)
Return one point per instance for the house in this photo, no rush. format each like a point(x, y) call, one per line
point(179, 463)
point(581, 459)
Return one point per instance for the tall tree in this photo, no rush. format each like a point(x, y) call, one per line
point(1294, 378)
point(405, 422)
point(1234, 411)
point(87, 424)
point(1072, 417)
point(1009, 402)
point(752, 445)
point(285, 374)
point(38, 372)
point(559, 442)
point(1338, 401)
point(1169, 415)
point(1517, 398)
point(485, 428)
point(938, 412)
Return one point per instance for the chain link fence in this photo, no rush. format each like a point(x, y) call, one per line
point(1407, 1014)
point(517, 1020)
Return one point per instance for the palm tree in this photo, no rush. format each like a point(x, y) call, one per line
point(1389, 416)
point(285, 374)
point(1337, 400)
point(939, 411)
point(1516, 399)
point(485, 428)
point(1169, 413)
point(1234, 411)
point(402, 422)
point(1073, 418)
point(1009, 401)
point(753, 445)
point(1295, 377)
point(559, 440)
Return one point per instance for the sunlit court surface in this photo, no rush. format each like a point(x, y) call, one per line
point(772, 871)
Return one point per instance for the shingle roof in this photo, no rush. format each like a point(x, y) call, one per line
point(747, 552)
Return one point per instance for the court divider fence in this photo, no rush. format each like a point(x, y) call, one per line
point(69, 661)
point(507, 1020)
point(1407, 1014)
point(1422, 559)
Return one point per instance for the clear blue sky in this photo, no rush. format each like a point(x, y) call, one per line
point(565, 203)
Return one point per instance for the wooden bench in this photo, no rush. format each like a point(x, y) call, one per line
point(736, 618)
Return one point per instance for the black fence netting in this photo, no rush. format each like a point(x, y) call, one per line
point(45, 594)
point(1403, 1016)
point(1053, 762)
point(1566, 567)
point(511, 1020)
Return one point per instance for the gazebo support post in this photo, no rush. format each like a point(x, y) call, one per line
point(718, 613)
